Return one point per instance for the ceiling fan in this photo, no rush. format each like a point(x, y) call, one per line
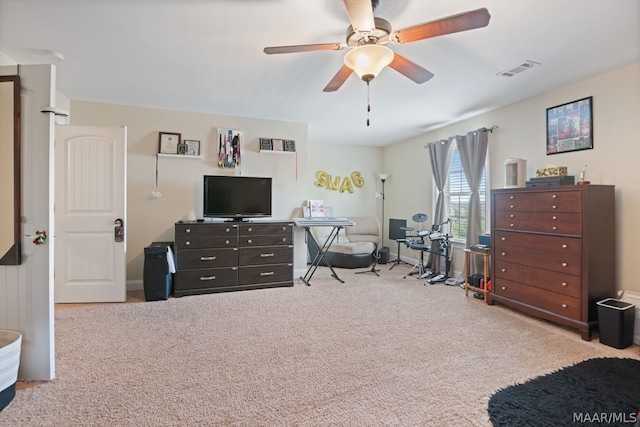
point(368, 37)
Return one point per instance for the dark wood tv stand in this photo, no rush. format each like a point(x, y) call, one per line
point(232, 256)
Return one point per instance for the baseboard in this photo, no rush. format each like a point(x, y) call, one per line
point(135, 285)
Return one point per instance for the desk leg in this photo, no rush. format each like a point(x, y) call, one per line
point(320, 256)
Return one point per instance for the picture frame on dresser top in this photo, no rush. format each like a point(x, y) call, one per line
point(570, 126)
point(553, 252)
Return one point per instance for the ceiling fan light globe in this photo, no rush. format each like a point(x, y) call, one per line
point(367, 61)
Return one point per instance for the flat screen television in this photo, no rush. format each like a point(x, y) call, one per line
point(236, 197)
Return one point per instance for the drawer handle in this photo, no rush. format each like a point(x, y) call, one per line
point(554, 196)
point(249, 229)
point(187, 243)
point(511, 225)
point(564, 284)
point(564, 246)
point(512, 216)
point(554, 228)
point(188, 230)
point(554, 207)
point(284, 239)
point(249, 241)
point(511, 197)
point(207, 258)
point(510, 206)
point(554, 217)
point(503, 239)
point(504, 269)
point(564, 305)
point(284, 228)
point(226, 242)
point(564, 264)
point(504, 288)
point(267, 255)
point(267, 273)
point(227, 230)
point(204, 278)
point(503, 254)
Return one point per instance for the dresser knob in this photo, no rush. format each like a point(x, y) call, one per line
point(510, 206)
point(554, 196)
point(504, 269)
point(512, 216)
point(554, 207)
point(564, 264)
point(554, 218)
point(250, 229)
point(504, 288)
point(284, 228)
point(249, 241)
point(284, 239)
point(511, 197)
point(554, 228)
point(188, 230)
point(187, 243)
point(226, 242)
point(503, 239)
point(503, 254)
point(564, 284)
point(511, 225)
point(227, 230)
point(564, 305)
point(564, 246)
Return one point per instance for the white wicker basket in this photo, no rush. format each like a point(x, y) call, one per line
point(10, 344)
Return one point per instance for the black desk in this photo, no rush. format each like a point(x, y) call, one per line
point(337, 224)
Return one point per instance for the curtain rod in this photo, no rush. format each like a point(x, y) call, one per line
point(483, 129)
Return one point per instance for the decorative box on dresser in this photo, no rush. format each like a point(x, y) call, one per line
point(554, 252)
point(219, 257)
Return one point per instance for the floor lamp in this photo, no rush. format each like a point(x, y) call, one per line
point(383, 177)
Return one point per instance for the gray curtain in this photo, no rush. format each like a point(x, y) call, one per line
point(473, 153)
point(440, 155)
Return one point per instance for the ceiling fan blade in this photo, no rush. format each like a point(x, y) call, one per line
point(341, 76)
point(410, 69)
point(361, 15)
point(303, 48)
point(451, 24)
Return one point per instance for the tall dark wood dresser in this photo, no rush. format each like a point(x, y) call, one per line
point(553, 251)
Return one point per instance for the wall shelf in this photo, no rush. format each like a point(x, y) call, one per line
point(179, 156)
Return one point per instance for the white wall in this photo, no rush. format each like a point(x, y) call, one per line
point(180, 180)
point(521, 133)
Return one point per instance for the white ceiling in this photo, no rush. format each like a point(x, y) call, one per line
point(206, 56)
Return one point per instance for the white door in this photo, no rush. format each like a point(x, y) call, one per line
point(90, 200)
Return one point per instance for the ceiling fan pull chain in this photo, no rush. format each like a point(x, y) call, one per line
point(368, 103)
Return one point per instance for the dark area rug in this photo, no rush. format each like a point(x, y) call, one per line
point(596, 392)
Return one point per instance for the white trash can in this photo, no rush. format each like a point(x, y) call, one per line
point(10, 345)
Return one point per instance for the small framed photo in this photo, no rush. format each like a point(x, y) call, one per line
point(182, 149)
point(168, 143)
point(192, 147)
point(278, 144)
point(570, 127)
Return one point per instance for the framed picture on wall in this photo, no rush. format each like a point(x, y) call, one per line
point(168, 143)
point(570, 126)
point(193, 147)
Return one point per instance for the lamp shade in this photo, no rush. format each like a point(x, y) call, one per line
point(383, 176)
point(367, 61)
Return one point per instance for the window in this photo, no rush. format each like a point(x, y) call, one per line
point(457, 194)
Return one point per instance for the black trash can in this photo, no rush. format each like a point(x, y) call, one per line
point(157, 276)
point(615, 322)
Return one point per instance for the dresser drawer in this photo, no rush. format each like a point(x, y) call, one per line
point(199, 241)
point(543, 222)
point(205, 229)
point(543, 201)
point(265, 274)
point(206, 278)
point(561, 283)
point(266, 240)
point(265, 255)
point(563, 305)
point(254, 229)
point(206, 258)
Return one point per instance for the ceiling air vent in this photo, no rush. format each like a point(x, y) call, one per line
point(518, 69)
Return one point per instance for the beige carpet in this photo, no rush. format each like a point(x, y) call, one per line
point(375, 351)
